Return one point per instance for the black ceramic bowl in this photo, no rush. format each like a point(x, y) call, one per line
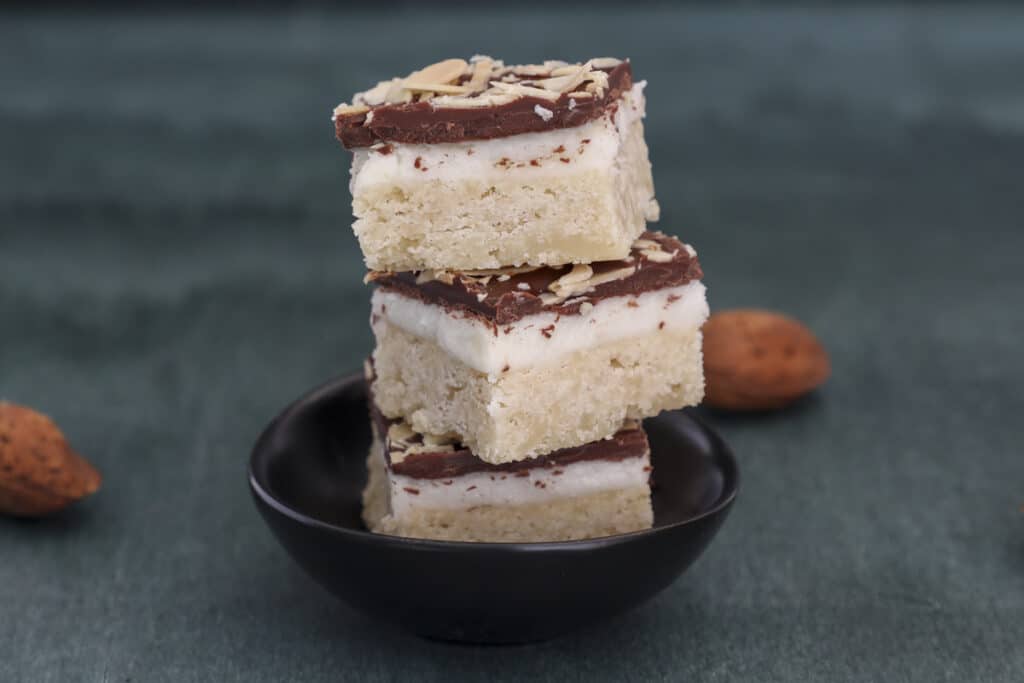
point(306, 475)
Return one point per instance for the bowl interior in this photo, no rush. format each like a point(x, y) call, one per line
point(311, 461)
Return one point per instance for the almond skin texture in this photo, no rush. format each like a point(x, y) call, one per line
point(39, 473)
point(758, 360)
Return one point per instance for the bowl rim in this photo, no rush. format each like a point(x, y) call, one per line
point(724, 454)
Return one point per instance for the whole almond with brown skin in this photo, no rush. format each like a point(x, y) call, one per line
point(39, 473)
point(759, 360)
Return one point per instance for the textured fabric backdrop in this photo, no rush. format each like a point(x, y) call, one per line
point(176, 264)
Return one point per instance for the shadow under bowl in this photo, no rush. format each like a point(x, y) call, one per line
point(307, 472)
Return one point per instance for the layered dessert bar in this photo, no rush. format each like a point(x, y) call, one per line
point(521, 362)
point(426, 486)
point(470, 165)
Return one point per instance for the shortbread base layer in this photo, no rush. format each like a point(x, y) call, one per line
point(580, 397)
point(538, 198)
point(601, 513)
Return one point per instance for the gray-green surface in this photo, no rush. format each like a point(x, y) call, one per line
point(176, 264)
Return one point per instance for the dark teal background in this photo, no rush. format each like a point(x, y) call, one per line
point(176, 264)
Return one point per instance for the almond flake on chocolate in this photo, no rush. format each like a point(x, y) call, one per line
point(605, 62)
point(350, 109)
point(486, 99)
point(528, 70)
point(396, 94)
point(436, 87)
point(444, 276)
point(444, 72)
point(376, 95)
point(657, 256)
point(547, 298)
point(579, 273)
point(566, 79)
point(545, 114)
point(525, 91)
point(498, 271)
point(567, 70)
point(481, 75)
point(425, 448)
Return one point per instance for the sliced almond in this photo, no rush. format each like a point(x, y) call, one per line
point(565, 82)
point(499, 271)
point(529, 70)
point(487, 99)
point(565, 70)
point(599, 77)
point(564, 291)
point(525, 91)
point(444, 72)
point(350, 110)
point(444, 276)
point(421, 86)
point(481, 75)
point(611, 276)
point(605, 62)
point(376, 95)
point(657, 256)
point(579, 273)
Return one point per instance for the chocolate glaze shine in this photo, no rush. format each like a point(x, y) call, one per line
point(424, 123)
point(502, 302)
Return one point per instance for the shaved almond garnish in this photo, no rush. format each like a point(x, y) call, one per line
point(444, 72)
point(481, 76)
point(564, 82)
point(350, 109)
point(436, 87)
point(579, 273)
point(376, 95)
point(525, 90)
point(490, 83)
point(658, 256)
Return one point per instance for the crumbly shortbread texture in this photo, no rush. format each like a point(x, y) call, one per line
point(581, 397)
point(544, 198)
point(602, 513)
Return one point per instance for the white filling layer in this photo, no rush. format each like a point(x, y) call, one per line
point(530, 155)
point(505, 488)
point(541, 339)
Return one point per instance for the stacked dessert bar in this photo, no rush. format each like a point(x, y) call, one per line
point(525, 318)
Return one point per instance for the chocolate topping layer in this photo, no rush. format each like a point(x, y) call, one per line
point(427, 121)
point(503, 296)
point(454, 460)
